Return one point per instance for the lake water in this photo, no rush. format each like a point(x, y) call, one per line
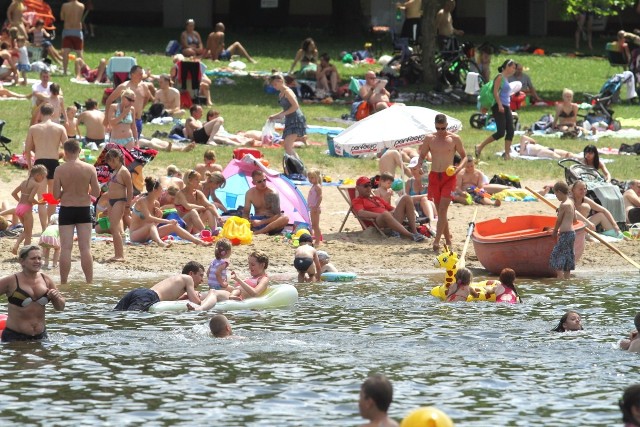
point(483, 364)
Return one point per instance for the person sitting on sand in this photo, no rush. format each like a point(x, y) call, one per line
point(193, 207)
point(215, 48)
point(209, 163)
point(220, 327)
point(173, 178)
point(306, 260)
point(268, 218)
point(147, 222)
point(470, 182)
point(373, 208)
point(91, 75)
point(595, 215)
point(570, 321)
point(325, 265)
point(213, 181)
point(376, 395)
point(529, 147)
point(169, 289)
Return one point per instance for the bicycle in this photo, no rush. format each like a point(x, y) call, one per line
point(454, 66)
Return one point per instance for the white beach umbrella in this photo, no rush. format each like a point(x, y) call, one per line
point(394, 127)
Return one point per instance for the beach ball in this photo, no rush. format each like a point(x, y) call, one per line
point(397, 185)
point(427, 416)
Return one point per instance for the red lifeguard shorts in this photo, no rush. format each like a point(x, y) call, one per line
point(440, 185)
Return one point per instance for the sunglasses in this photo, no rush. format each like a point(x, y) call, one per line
point(441, 128)
point(130, 99)
point(366, 185)
point(259, 181)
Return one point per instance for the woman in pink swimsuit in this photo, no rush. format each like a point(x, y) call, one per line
point(255, 285)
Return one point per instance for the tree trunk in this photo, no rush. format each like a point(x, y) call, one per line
point(428, 42)
point(344, 14)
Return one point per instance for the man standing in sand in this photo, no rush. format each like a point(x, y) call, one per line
point(44, 139)
point(73, 183)
point(268, 218)
point(170, 289)
point(72, 37)
point(215, 50)
point(143, 95)
point(93, 120)
point(442, 145)
point(169, 97)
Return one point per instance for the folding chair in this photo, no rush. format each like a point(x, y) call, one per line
point(118, 69)
point(616, 57)
point(188, 78)
point(350, 193)
point(4, 141)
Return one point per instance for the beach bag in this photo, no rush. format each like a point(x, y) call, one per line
point(363, 111)
point(172, 48)
point(294, 168)
point(237, 230)
point(545, 122)
point(486, 98)
point(267, 132)
point(630, 149)
point(517, 101)
point(504, 179)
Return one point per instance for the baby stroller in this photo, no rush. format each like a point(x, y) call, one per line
point(600, 111)
point(603, 193)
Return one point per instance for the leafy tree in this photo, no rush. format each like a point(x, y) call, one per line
point(428, 42)
point(599, 7)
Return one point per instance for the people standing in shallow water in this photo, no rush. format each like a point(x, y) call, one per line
point(562, 258)
point(570, 321)
point(630, 406)
point(28, 292)
point(376, 395)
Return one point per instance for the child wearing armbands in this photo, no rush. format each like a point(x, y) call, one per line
point(460, 290)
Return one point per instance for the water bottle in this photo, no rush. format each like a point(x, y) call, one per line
point(398, 14)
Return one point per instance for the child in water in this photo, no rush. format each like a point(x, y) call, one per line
point(220, 326)
point(28, 189)
point(217, 272)
point(306, 260)
point(562, 258)
point(325, 265)
point(505, 289)
point(460, 290)
point(255, 285)
point(314, 199)
point(50, 239)
point(570, 321)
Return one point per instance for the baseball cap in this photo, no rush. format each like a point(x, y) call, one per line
point(413, 162)
point(363, 180)
point(322, 255)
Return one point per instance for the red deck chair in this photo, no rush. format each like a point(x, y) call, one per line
point(350, 193)
point(188, 78)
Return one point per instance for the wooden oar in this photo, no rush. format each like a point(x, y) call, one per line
point(472, 224)
point(591, 232)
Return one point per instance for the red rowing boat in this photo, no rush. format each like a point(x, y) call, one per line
point(523, 243)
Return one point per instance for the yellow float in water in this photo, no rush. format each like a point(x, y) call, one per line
point(449, 261)
point(427, 416)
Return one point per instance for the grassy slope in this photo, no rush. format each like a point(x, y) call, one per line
point(245, 105)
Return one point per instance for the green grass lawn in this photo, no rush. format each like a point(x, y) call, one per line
point(245, 105)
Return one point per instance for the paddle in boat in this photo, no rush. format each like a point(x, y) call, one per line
point(523, 243)
point(277, 296)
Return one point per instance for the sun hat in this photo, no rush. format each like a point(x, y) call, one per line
point(323, 256)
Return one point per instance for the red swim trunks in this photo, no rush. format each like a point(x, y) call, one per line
point(440, 185)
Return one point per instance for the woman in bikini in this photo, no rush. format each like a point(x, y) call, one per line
point(27, 293)
point(255, 285)
point(566, 113)
point(592, 158)
point(307, 56)
point(120, 195)
point(213, 181)
point(123, 126)
point(595, 214)
point(147, 222)
point(193, 207)
point(190, 40)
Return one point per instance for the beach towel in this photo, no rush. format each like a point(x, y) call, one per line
point(84, 82)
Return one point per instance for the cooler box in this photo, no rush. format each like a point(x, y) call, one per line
point(332, 149)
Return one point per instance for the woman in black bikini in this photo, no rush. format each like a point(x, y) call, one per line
point(28, 292)
point(566, 113)
point(120, 195)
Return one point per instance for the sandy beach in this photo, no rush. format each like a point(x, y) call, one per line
point(362, 252)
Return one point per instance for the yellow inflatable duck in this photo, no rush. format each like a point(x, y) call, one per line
point(449, 261)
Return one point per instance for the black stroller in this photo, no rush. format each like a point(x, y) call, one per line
point(3, 142)
point(600, 110)
point(603, 193)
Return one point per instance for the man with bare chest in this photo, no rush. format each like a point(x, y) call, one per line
point(267, 218)
point(442, 145)
point(168, 96)
point(471, 183)
point(93, 119)
point(143, 95)
point(45, 139)
point(72, 37)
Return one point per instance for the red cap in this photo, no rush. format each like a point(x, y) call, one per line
point(363, 180)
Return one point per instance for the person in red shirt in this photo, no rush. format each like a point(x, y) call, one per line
point(374, 208)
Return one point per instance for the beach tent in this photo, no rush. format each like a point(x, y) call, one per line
point(238, 175)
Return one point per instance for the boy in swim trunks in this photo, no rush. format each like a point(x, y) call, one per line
point(306, 260)
point(563, 259)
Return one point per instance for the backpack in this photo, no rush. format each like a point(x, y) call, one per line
point(172, 48)
point(294, 168)
point(486, 99)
